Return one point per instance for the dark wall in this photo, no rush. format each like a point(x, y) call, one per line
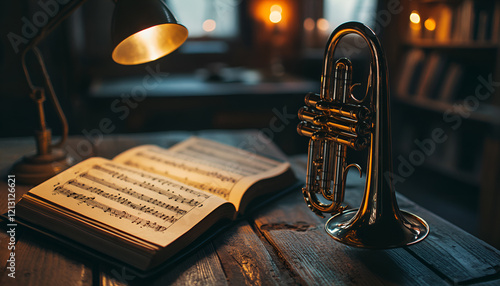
point(77, 57)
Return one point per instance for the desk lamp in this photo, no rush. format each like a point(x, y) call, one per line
point(142, 31)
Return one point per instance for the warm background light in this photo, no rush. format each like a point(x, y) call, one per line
point(275, 17)
point(209, 25)
point(415, 17)
point(278, 26)
point(269, 13)
point(430, 24)
point(276, 8)
point(309, 24)
point(323, 24)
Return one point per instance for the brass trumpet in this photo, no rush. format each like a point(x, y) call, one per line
point(335, 120)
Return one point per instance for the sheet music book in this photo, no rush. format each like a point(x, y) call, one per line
point(149, 203)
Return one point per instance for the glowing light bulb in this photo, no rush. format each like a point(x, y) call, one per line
point(323, 24)
point(415, 17)
point(275, 17)
point(430, 24)
point(209, 25)
point(277, 8)
point(309, 24)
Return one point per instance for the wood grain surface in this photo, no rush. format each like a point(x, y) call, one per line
point(283, 243)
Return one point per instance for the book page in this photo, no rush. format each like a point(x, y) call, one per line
point(148, 206)
point(217, 168)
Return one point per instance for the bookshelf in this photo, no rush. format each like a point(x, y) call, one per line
point(444, 66)
point(452, 45)
point(485, 113)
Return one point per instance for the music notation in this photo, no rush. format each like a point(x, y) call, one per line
point(114, 183)
point(182, 166)
point(167, 193)
point(249, 160)
point(223, 160)
point(126, 202)
point(211, 147)
point(217, 190)
point(222, 157)
point(222, 192)
point(214, 162)
point(140, 196)
point(163, 182)
point(121, 214)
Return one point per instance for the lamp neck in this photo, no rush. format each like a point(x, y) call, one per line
point(64, 12)
point(43, 142)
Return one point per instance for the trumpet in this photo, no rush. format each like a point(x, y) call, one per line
point(336, 120)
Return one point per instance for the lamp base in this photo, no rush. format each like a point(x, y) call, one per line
point(34, 169)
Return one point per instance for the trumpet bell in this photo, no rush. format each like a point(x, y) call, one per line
point(353, 228)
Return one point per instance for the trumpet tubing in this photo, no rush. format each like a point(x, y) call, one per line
point(348, 111)
point(336, 120)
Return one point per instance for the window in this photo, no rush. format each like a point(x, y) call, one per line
point(337, 12)
point(207, 18)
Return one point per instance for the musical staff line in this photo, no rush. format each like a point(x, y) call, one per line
point(226, 158)
point(124, 178)
point(90, 201)
point(239, 152)
point(126, 202)
point(220, 163)
point(160, 181)
point(182, 166)
point(222, 192)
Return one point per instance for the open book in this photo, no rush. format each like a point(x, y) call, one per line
point(149, 203)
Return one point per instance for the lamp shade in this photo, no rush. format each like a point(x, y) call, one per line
point(143, 31)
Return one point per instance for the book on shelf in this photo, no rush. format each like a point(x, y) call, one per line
point(495, 28)
point(149, 204)
point(444, 20)
point(466, 20)
point(485, 20)
point(431, 77)
point(410, 72)
point(461, 22)
point(451, 83)
point(482, 31)
point(476, 21)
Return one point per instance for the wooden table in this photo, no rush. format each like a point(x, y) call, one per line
point(283, 243)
